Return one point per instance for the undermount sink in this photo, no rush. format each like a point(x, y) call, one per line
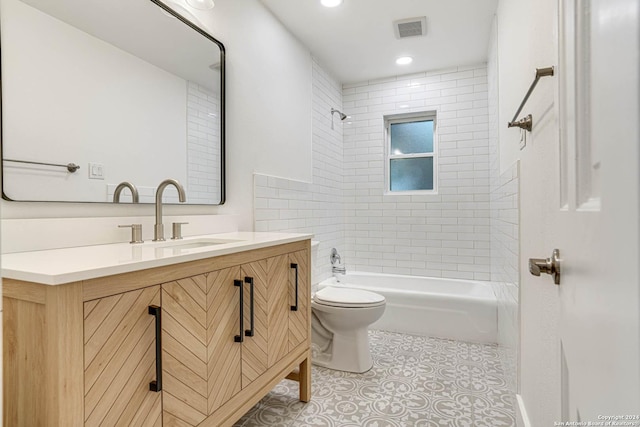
point(196, 244)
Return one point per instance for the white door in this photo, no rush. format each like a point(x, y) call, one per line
point(584, 200)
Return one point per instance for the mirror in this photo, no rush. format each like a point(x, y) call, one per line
point(128, 90)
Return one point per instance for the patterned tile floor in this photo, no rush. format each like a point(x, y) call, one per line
point(415, 381)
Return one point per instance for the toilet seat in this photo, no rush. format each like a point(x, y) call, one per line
point(334, 296)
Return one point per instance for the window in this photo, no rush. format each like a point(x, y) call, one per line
point(411, 153)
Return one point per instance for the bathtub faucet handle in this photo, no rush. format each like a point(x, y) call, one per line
point(337, 267)
point(334, 257)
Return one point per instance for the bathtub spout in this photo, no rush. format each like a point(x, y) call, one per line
point(339, 269)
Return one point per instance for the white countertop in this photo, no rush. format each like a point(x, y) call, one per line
point(58, 266)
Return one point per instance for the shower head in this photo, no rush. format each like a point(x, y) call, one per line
point(340, 113)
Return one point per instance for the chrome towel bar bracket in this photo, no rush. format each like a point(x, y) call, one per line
point(527, 122)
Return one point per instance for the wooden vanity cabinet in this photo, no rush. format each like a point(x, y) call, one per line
point(92, 361)
point(209, 354)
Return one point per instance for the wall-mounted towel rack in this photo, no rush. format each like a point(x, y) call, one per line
point(71, 167)
point(527, 122)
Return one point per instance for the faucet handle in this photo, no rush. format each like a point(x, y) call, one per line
point(136, 232)
point(334, 257)
point(177, 230)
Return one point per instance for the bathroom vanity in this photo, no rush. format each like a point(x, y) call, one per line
point(180, 333)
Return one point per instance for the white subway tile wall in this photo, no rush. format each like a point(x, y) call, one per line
point(443, 235)
point(281, 204)
point(505, 256)
point(505, 219)
point(203, 144)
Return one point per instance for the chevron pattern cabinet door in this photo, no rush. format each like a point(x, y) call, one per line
point(119, 360)
point(184, 342)
point(201, 361)
point(254, 349)
point(278, 307)
point(299, 320)
point(224, 361)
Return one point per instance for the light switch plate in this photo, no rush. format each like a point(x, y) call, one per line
point(96, 171)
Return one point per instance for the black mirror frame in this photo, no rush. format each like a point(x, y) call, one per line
point(223, 162)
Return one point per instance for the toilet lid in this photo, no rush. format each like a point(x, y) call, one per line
point(347, 297)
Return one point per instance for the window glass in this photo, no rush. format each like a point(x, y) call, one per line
point(411, 174)
point(412, 137)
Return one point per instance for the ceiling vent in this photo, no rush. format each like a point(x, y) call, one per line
point(411, 27)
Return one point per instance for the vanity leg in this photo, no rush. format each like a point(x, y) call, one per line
point(305, 379)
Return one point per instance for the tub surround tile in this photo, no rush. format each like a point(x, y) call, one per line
point(399, 220)
point(202, 134)
point(415, 381)
point(345, 206)
point(505, 256)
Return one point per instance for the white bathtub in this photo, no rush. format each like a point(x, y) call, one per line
point(462, 310)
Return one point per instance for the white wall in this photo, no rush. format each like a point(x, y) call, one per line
point(527, 39)
point(268, 124)
point(443, 235)
point(268, 100)
point(317, 207)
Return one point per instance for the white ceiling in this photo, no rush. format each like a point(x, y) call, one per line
point(356, 42)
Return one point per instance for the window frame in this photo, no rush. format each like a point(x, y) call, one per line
point(430, 115)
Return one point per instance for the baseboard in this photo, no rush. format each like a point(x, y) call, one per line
point(522, 419)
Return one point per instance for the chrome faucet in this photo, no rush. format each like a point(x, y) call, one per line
point(158, 230)
point(122, 186)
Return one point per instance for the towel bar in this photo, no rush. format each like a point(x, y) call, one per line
point(527, 122)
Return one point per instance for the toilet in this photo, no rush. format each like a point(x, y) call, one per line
point(340, 320)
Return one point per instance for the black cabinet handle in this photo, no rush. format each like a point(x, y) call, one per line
point(250, 332)
point(240, 338)
point(295, 307)
point(156, 385)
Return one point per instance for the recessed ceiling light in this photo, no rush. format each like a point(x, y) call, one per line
point(331, 3)
point(201, 4)
point(404, 60)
